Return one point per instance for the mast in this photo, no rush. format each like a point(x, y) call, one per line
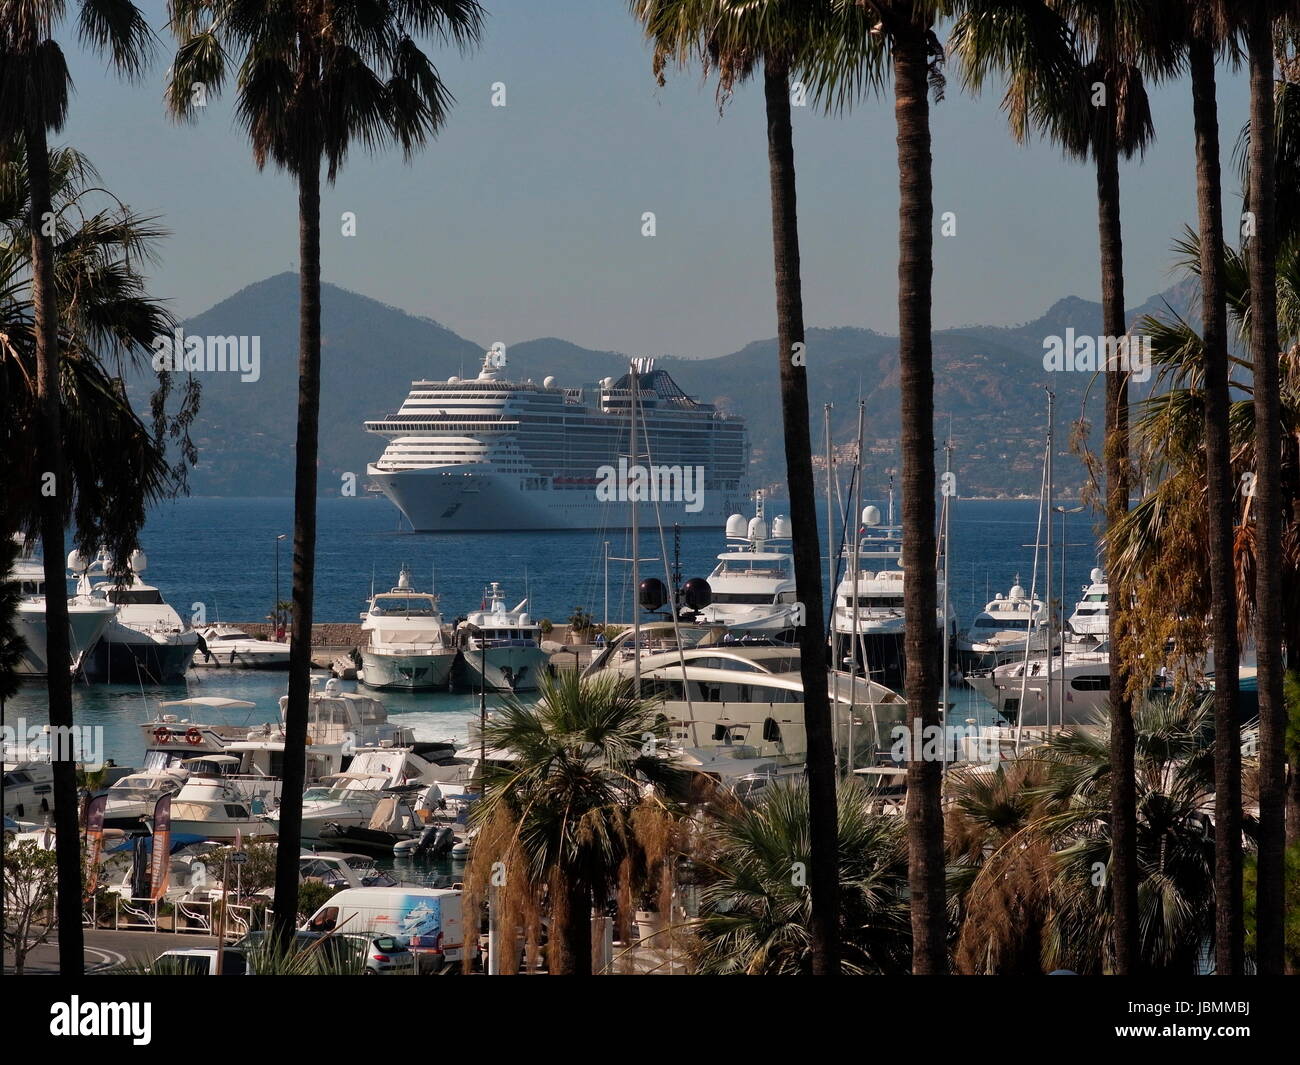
point(1047, 604)
point(830, 571)
point(857, 562)
point(634, 380)
point(943, 610)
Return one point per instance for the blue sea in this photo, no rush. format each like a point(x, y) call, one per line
point(221, 553)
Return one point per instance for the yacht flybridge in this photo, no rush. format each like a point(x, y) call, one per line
point(1091, 617)
point(753, 587)
point(407, 651)
point(501, 647)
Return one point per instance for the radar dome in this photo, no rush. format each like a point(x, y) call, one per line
point(77, 561)
point(757, 529)
point(1097, 576)
point(697, 593)
point(548, 382)
point(1017, 592)
point(870, 515)
point(139, 561)
point(453, 380)
point(524, 619)
point(736, 526)
point(607, 382)
point(781, 527)
point(652, 594)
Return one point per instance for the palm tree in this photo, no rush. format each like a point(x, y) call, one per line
point(34, 89)
point(1262, 260)
point(732, 37)
point(1096, 108)
point(1208, 24)
point(314, 78)
point(999, 872)
point(1175, 841)
point(579, 806)
point(756, 919)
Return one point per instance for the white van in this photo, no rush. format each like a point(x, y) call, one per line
point(427, 921)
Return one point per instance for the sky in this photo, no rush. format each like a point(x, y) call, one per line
point(525, 221)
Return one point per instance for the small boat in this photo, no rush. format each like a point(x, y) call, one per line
point(501, 647)
point(228, 647)
point(132, 799)
point(211, 807)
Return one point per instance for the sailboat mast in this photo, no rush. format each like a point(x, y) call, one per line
point(634, 381)
point(943, 610)
point(1051, 413)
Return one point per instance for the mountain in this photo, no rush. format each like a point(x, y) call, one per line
point(989, 382)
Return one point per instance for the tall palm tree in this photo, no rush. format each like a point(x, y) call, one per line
point(1098, 111)
point(754, 921)
point(34, 89)
point(578, 801)
point(1208, 23)
point(733, 37)
point(314, 78)
point(1175, 840)
point(1262, 260)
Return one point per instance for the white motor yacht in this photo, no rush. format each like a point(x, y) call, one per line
point(228, 647)
point(407, 651)
point(1091, 617)
point(133, 798)
point(717, 693)
point(209, 806)
point(1017, 688)
point(752, 585)
point(999, 632)
point(502, 646)
point(87, 617)
point(146, 641)
point(868, 625)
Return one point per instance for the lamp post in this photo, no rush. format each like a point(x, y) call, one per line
point(275, 614)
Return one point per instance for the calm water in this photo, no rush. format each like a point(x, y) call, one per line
point(221, 553)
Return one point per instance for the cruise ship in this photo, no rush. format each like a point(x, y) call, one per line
point(494, 453)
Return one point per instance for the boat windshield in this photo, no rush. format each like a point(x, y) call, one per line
point(411, 606)
point(758, 567)
point(1002, 623)
point(134, 596)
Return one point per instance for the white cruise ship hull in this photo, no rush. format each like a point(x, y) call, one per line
point(406, 671)
point(468, 499)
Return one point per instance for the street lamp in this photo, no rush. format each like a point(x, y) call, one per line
point(276, 612)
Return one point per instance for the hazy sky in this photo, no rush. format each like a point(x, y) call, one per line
point(525, 220)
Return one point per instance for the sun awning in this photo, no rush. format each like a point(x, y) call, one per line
point(216, 702)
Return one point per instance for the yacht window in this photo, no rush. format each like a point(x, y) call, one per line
point(130, 596)
point(877, 600)
point(236, 811)
point(1002, 623)
point(742, 598)
point(1095, 597)
point(1091, 683)
point(14, 779)
point(403, 606)
point(771, 731)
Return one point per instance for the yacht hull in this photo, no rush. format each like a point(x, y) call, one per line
point(508, 669)
point(406, 672)
point(85, 628)
point(127, 656)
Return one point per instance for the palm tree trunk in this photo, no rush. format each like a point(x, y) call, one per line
point(1123, 792)
point(304, 547)
point(58, 654)
point(569, 950)
point(823, 877)
point(1270, 913)
point(1229, 931)
point(915, 274)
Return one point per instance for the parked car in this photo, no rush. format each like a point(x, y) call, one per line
point(385, 955)
point(200, 961)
